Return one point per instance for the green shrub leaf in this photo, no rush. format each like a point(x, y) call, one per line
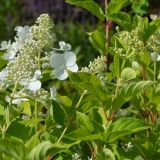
point(90, 5)
point(13, 148)
point(125, 126)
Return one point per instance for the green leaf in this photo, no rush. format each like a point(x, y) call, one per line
point(32, 142)
point(116, 66)
point(89, 5)
point(82, 77)
point(46, 148)
point(145, 58)
point(25, 131)
point(40, 151)
point(97, 39)
point(82, 134)
point(140, 7)
point(125, 126)
point(91, 83)
point(116, 5)
point(64, 100)
point(128, 91)
point(84, 121)
point(3, 63)
point(13, 148)
point(128, 74)
point(58, 113)
point(122, 19)
point(145, 28)
point(26, 108)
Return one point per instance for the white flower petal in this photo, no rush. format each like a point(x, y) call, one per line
point(53, 91)
point(9, 56)
point(154, 56)
point(16, 99)
point(61, 74)
point(57, 61)
point(3, 74)
point(22, 32)
point(19, 100)
point(70, 58)
point(158, 59)
point(37, 74)
point(23, 82)
point(64, 46)
point(5, 45)
point(73, 68)
point(34, 85)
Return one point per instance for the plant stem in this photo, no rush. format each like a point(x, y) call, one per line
point(64, 131)
point(36, 113)
point(106, 33)
point(13, 92)
point(7, 120)
point(155, 69)
point(143, 72)
point(117, 87)
point(82, 95)
point(39, 59)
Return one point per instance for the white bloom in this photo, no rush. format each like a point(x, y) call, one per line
point(155, 56)
point(53, 92)
point(64, 46)
point(16, 99)
point(32, 84)
point(12, 50)
point(37, 74)
point(153, 16)
point(3, 74)
point(22, 32)
point(5, 45)
point(75, 156)
point(63, 62)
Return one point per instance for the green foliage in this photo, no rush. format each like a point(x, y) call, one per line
point(111, 108)
point(12, 148)
point(90, 5)
point(123, 127)
point(128, 91)
point(116, 5)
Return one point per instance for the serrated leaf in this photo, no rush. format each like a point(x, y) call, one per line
point(40, 151)
point(91, 83)
point(82, 77)
point(58, 113)
point(125, 126)
point(46, 148)
point(128, 91)
point(89, 5)
point(84, 121)
point(32, 142)
point(128, 74)
point(13, 148)
point(140, 7)
point(83, 134)
point(25, 130)
point(122, 19)
point(116, 5)
point(64, 100)
point(98, 41)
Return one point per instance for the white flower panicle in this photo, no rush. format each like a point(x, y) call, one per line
point(95, 66)
point(29, 55)
point(154, 46)
point(42, 32)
